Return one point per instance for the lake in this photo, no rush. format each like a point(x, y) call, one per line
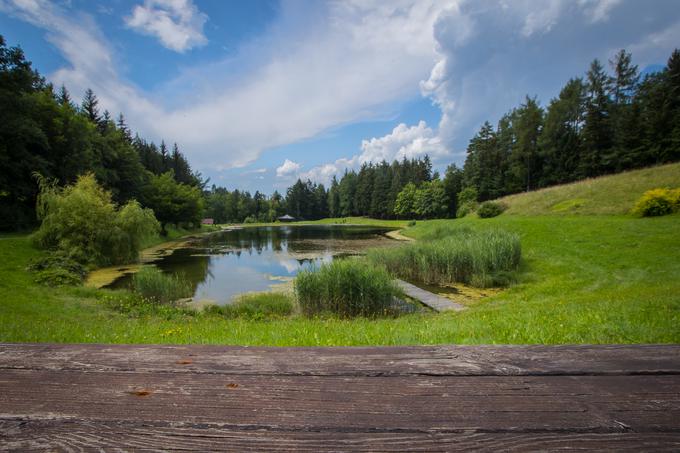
point(225, 264)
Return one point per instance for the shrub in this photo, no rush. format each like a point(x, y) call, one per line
point(346, 287)
point(152, 284)
point(82, 221)
point(466, 208)
point(658, 202)
point(411, 223)
point(256, 306)
point(478, 258)
point(490, 209)
point(250, 219)
point(57, 269)
point(467, 201)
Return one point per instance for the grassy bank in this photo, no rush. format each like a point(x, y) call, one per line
point(584, 279)
point(606, 195)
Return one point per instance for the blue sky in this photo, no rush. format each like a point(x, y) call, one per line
point(258, 93)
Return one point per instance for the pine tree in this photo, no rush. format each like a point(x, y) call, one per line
point(334, 198)
point(597, 132)
point(623, 113)
point(560, 141)
point(89, 107)
point(64, 97)
point(364, 189)
point(123, 128)
point(525, 163)
point(165, 159)
point(453, 184)
point(672, 107)
point(626, 78)
point(380, 193)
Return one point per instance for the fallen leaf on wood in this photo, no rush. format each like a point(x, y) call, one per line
point(142, 392)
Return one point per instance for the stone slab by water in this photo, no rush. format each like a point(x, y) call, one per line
point(432, 300)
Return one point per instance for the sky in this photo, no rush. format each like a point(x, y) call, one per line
point(259, 93)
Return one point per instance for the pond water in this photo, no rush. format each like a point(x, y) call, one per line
point(222, 265)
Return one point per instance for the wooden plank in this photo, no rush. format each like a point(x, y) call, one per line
point(426, 398)
point(78, 435)
point(434, 301)
point(442, 360)
point(343, 404)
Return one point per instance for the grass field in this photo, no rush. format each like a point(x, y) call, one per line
point(585, 278)
point(608, 195)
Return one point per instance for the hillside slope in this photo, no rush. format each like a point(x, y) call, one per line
point(613, 194)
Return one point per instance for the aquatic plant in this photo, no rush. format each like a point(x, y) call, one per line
point(480, 258)
point(162, 288)
point(346, 287)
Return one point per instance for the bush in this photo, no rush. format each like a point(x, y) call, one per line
point(658, 202)
point(81, 221)
point(467, 201)
point(256, 306)
point(152, 284)
point(57, 269)
point(490, 209)
point(250, 219)
point(478, 258)
point(346, 287)
point(466, 208)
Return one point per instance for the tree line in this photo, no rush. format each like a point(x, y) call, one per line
point(604, 122)
point(370, 191)
point(44, 133)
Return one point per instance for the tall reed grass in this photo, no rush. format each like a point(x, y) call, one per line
point(162, 288)
point(346, 287)
point(454, 255)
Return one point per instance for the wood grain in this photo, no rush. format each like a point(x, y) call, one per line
point(425, 398)
point(77, 435)
point(349, 361)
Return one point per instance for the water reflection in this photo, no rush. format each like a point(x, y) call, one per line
point(225, 264)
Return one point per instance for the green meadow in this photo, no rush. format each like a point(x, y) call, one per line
point(588, 274)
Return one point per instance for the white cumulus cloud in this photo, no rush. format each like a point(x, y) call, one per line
point(403, 142)
point(288, 168)
point(178, 24)
point(321, 65)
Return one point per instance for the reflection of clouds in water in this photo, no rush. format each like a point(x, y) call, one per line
point(224, 265)
point(293, 263)
point(290, 265)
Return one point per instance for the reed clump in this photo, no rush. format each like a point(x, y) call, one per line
point(347, 288)
point(480, 258)
point(161, 288)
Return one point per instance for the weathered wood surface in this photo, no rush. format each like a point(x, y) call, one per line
point(439, 360)
point(434, 301)
point(425, 398)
